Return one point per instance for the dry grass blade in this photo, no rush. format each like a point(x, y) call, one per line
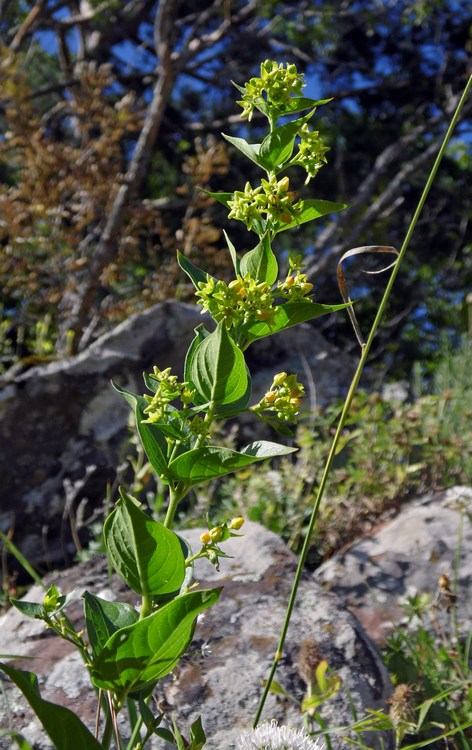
point(342, 280)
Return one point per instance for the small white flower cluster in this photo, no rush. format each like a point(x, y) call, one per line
point(271, 736)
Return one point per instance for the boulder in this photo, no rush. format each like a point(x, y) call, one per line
point(63, 425)
point(221, 676)
point(430, 537)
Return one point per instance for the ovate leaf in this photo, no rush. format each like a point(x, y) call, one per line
point(202, 464)
point(136, 657)
point(277, 147)
point(218, 369)
point(62, 726)
point(312, 209)
point(195, 274)
point(251, 150)
point(261, 263)
point(153, 440)
point(40, 611)
point(103, 618)
point(286, 316)
point(146, 554)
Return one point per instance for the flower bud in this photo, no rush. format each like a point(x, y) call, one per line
point(280, 378)
point(236, 523)
point(216, 534)
point(284, 184)
point(205, 538)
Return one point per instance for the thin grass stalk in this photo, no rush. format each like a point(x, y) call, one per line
point(347, 404)
point(13, 549)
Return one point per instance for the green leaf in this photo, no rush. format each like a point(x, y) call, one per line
point(195, 274)
point(103, 618)
point(300, 103)
point(220, 197)
point(218, 369)
point(62, 726)
point(201, 334)
point(197, 735)
point(28, 609)
point(261, 263)
point(153, 440)
point(137, 656)
point(287, 315)
point(232, 252)
point(277, 147)
point(295, 104)
point(236, 407)
point(146, 554)
point(202, 464)
point(18, 738)
point(277, 689)
point(39, 611)
point(312, 209)
point(251, 150)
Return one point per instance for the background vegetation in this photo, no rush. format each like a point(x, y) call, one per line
point(111, 114)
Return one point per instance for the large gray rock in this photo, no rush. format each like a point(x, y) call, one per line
point(62, 424)
point(221, 676)
point(407, 554)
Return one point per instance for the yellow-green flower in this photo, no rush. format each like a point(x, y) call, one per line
point(284, 398)
point(276, 85)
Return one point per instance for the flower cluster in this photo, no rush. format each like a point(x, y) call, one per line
point(273, 198)
point(240, 301)
point(296, 287)
point(276, 84)
point(216, 533)
point(311, 151)
point(271, 736)
point(167, 390)
point(283, 398)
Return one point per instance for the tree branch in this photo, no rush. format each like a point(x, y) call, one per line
point(395, 152)
point(108, 242)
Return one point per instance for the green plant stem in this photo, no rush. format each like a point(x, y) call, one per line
point(136, 723)
point(175, 496)
point(347, 404)
point(108, 731)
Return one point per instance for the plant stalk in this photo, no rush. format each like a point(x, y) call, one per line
point(350, 395)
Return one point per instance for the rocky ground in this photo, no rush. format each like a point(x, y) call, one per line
point(343, 613)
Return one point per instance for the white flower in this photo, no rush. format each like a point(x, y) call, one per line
point(269, 736)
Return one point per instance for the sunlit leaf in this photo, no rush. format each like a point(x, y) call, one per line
point(146, 554)
point(153, 440)
point(136, 657)
point(312, 209)
point(261, 263)
point(218, 369)
point(286, 316)
point(103, 618)
point(202, 464)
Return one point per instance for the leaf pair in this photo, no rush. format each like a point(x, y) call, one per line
point(132, 654)
point(277, 148)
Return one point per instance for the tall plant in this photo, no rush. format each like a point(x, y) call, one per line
point(126, 650)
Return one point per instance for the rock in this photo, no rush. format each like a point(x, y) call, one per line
point(63, 425)
point(220, 677)
point(405, 555)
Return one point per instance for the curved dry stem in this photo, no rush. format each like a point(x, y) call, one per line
point(343, 284)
